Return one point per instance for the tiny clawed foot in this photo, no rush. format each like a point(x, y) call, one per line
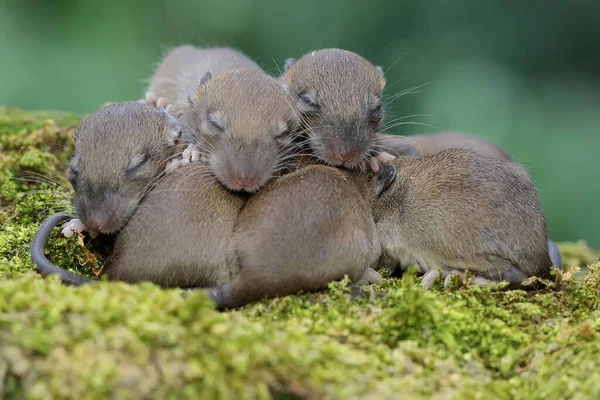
point(369, 277)
point(192, 153)
point(384, 157)
point(175, 164)
point(154, 100)
point(72, 227)
point(430, 277)
point(151, 98)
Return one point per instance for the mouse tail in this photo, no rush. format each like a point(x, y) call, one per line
point(44, 266)
point(554, 253)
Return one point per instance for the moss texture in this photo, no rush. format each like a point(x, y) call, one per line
point(113, 340)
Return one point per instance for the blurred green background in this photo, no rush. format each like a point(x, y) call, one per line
point(525, 74)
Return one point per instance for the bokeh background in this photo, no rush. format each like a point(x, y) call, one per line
point(524, 74)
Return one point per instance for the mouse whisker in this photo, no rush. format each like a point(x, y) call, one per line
point(407, 123)
point(410, 90)
point(393, 120)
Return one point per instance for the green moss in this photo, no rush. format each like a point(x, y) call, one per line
point(113, 340)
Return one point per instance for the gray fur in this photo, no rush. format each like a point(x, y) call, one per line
point(456, 210)
point(180, 235)
point(300, 232)
point(346, 88)
point(257, 126)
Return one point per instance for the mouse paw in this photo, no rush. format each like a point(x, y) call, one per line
point(175, 164)
point(72, 227)
point(192, 153)
point(369, 277)
point(428, 280)
point(375, 162)
point(384, 157)
point(161, 102)
point(151, 98)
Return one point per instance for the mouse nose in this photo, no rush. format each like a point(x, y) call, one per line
point(103, 223)
point(344, 155)
point(246, 181)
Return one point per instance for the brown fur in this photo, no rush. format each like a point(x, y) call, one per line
point(338, 93)
point(108, 145)
point(257, 123)
point(180, 235)
point(458, 210)
point(183, 67)
point(300, 232)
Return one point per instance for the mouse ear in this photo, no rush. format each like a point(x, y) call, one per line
point(174, 130)
point(205, 78)
point(384, 178)
point(381, 77)
point(288, 63)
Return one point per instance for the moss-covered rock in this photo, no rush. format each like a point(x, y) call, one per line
point(113, 340)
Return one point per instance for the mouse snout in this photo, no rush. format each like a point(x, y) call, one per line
point(342, 155)
point(106, 213)
point(244, 180)
point(103, 222)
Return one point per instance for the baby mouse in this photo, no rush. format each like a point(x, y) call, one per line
point(192, 218)
point(119, 152)
point(429, 144)
point(327, 234)
point(457, 210)
point(183, 68)
point(245, 126)
point(338, 94)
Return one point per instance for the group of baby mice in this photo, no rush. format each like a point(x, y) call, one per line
point(253, 186)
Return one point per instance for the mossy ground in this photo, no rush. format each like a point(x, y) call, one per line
point(113, 340)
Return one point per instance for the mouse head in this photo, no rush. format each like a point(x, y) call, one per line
point(119, 151)
point(338, 94)
point(244, 122)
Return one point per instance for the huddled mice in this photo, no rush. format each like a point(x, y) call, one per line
point(250, 186)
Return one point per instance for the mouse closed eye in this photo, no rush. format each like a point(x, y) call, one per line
point(243, 122)
point(120, 150)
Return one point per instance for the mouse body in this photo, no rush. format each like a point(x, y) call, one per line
point(120, 150)
point(338, 94)
point(429, 144)
point(184, 67)
point(456, 210)
point(301, 232)
point(181, 233)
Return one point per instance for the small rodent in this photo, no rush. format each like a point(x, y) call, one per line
point(180, 234)
point(457, 210)
point(119, 151)
point(303, 231)
point(243, 122)
point(338, 93)
point(429, 144)
point(184, 67)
